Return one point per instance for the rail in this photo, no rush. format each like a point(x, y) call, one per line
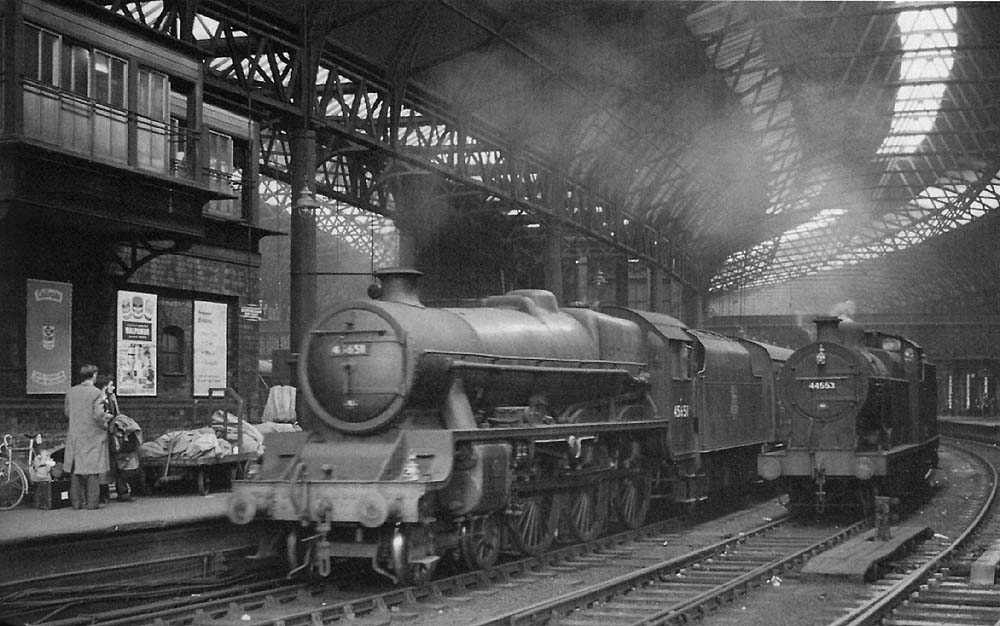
point(874, 612)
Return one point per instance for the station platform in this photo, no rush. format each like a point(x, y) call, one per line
point(179, 535)
point(982, 429)
point(986, 420)
point(27, 524)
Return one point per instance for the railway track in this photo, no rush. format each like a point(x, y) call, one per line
point(938, 590)
point(685, 589)
point(661, 574)
point(280, 602)
point(930, 586)
point(52, 578)
point(914, 590)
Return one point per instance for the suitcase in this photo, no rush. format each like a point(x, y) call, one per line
point(52, 494)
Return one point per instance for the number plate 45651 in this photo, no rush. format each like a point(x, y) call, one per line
point(349, 349)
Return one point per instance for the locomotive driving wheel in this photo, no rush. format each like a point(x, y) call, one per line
point(411, 554)
point(533, 525)
point(587, 513)
point(480, 542)
point(631, 499)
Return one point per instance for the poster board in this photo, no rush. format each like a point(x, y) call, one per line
point(49, 336)
point(210, 346)
point(136, 357)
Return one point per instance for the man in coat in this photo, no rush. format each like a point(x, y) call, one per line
point(87, 440)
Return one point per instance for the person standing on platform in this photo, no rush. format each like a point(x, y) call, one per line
point(124, 437)
point(87, 440)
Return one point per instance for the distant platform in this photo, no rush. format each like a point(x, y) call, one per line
point(857, 560)
point(982, 429)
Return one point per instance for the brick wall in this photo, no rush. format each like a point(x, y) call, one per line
point(204, 272)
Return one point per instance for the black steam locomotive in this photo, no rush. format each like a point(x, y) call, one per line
point(862, 408)
point(466, 432)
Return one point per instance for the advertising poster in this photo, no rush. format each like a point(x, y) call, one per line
point(210, 346)
point(49, 336)
point(136, 371)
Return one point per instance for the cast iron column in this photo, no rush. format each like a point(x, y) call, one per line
point(654, 289)
point(621, 281)
point(553, 262)
point(302, 262)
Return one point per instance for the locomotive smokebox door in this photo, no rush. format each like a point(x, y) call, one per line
point(826, 382)
point(355, 369)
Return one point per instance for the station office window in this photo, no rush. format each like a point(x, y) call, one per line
point(220, 174)
point(109, 79)
point(75, 96)
point(171, 350)
point(40, 49)
point(153, 125)
point(75, 69)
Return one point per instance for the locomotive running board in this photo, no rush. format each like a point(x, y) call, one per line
point(554, 430)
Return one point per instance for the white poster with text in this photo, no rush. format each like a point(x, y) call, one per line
point(210, 347)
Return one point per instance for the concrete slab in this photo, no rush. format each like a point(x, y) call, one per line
point(984, 570)
point(857, 560)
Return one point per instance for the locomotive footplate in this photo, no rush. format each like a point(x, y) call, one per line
point(835, 463)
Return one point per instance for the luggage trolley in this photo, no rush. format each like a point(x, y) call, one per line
point(204, 471)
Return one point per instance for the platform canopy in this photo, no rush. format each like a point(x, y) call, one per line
point(749, 142)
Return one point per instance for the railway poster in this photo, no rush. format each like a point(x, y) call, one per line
point(209, 346)
point(49, 336)
point(136, 367)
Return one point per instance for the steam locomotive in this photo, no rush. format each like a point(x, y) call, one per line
point(465, 432)
point(862, 408)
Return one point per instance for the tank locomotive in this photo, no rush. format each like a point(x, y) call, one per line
point(862, 409)
point(469, 431)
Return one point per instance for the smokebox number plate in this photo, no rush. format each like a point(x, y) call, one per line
point(822, 385)
point(349, 349)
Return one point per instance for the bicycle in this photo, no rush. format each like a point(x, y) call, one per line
point(13, 480)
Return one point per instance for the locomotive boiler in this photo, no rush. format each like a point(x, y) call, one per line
point(862, 408)
point(467, 431)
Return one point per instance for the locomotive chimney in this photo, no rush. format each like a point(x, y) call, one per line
point(399, 284)
point(827, 329)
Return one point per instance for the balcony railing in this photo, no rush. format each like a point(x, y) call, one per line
point(98, 131)
point(226, 182)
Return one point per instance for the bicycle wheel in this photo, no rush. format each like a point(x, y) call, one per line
point(13, 485)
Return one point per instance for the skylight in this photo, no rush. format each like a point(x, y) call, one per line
point(927, 40)
point(927, 37)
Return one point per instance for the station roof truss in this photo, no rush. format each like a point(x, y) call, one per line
point(737, 144)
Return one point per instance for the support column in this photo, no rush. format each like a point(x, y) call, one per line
point(302, 261)
point(621, 281)
point(699, 309)
point(553, 262)
point(654, 277)
point(582, 280)
point(250, 193)
point(13, 33)
point(676, 299)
